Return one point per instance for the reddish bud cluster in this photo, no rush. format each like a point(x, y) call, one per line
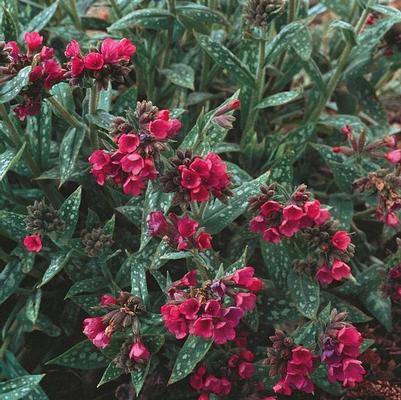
point(208, 383)
point(393, 286)
point(196, 178)
point(33, 243)
point(131, 165)
point(340, 353)
point(276, 219)
point(109, 62)
point(181, 233)
point(203, 311)
point(46, 72)
point(296, 372)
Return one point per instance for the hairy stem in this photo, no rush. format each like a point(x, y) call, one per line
point(64, 112)
point(94, 96)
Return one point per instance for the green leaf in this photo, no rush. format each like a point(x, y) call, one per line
point(125, 100)
point(192, 352)
point(63, 94)
point(138, 264)
point(39, 21)
point(10, 279)
point(12, 225)
point(181, 75)
point(151, 18)
point(89, 285)
point(111, 372)
point(278, 99)
point(138, 377)
point(379, 306)
point(8, 20)
point(33, 305)
point(57, 263)
point(302, 43)
point(69, 212)
point(306, 335)
point(20, 387)
point(69, 151)
point(201, 14)
point(319, 377)
point(219, 215)
point(305, 293)
point(342, 210)
point(277, 262)
point(105, 98)
point(226, 60)
point(279, 309)
point(8, 159)
point(346, 29)
point(84, 355)
point(340, 7)
point(11, 88)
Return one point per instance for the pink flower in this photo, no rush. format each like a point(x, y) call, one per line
point(77, 66)
point(312, 209)
point(33, 40)
point(93, 61)
point(341, 240)
point(189, 178)
point(353, 372)
point(204, 241)
point(157, 224)
point(203, 327)
point(392, 219)
point(94, 329)
point(127, 143)
point(190, 308)
point(281, 387)
point(33, 243)
point(212, 308)
point(269, 207)
point(243, 276)
point(36, 73)
point(46, 53)
point(73, 49)
point(132, 163)
point(245, 301)
point(289, 228)
point(189, 279)
point(126, 49)
point(107, 300)
point(218, 386)
point(323, 275)
point(349, 341)
point(340, 270)
point(271, 235)
point(110, 50)
point(246, 370)
point(187, 226)
point(394, 156)
point(139, 352)
point(292, 213)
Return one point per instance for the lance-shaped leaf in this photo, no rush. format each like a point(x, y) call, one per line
point(305, 293)
point(219, 215)
point(225, 59)
point(11, 88)
point(69, 151)
point(33, 305)
point(192, 352)
point(181, 75)
point(12, 225)
point(10, 279)
point(8, 159)
point(151, 18)
point(111, 372)
point(57, 263)
point(278, 99)
point(19, 388)
point(69, 212)
point(84, 355)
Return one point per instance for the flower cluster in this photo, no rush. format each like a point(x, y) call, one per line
point(242, 363)
point(293, 363)
point(203, 311)
point(340, 351)
point(45, 73)
point(122, 312)
point(209, 383)
point(276, 219)
point(132, 164)
point(110, 62)
point(387, 185)
point(194, 178)
point(181, 233)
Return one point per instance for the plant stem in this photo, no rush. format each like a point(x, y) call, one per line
point(8, 338)
point(94, 96)
point(341, 65)
point(292, 10)
point(15, 138)
point(64, 112)
point(75, 14)
point(116, 9)
point(109, 277)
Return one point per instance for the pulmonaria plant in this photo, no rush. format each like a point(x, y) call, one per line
point(111, 62)
point(277, 219)
point(45, 73)
point(341, 345)
point(207, 383)
point(122, 314)
point(212, 310)
point(293, 364)
point(181, 233)
point(196, 179)
point(139, 143)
